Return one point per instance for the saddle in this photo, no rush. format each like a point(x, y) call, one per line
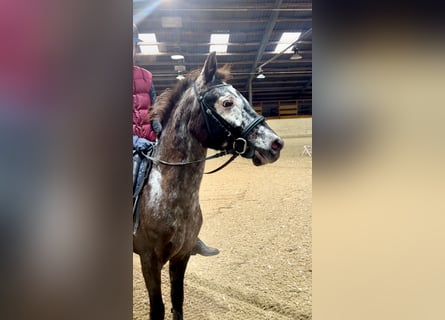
point(142, 149)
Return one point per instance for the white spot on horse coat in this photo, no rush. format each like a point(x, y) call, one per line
point(264, 138)
point(155, 190)
point(233, 115)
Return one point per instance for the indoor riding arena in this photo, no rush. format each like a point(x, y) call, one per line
point(260, 219)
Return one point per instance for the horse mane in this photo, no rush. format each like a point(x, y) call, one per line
point(166, 101)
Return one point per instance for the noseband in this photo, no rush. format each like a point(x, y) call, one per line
point(238, 137)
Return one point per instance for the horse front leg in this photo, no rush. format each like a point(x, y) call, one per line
point(177, 271)
point(151, 269)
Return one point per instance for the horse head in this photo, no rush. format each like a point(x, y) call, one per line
point(231, 122)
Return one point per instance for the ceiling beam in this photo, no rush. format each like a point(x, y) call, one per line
point(205, 44)
point(299, 8)
point(267, 33)
point(242, 66)
point(224, 21)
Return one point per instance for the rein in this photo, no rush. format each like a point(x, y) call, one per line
point(240, 145)
point(214, 156)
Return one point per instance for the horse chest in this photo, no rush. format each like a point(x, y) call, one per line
point(177, 201)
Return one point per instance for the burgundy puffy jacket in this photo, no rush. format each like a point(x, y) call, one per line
point(142, 84)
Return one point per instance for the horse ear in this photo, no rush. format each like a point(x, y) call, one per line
point(208, 71)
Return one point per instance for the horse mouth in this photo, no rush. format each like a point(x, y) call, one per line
point(261, 158)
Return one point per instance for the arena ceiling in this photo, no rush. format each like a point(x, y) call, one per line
point(254, 26)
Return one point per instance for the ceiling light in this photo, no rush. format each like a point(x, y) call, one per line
point(260, 74)
point(149, 49)
point(295, 56)
point(148, 45)
point(180, 76)
point(177, 57)
point(287, 38)
point(219, 42)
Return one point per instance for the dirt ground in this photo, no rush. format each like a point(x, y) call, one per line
point(260, 219)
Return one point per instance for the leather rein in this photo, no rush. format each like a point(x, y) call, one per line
point(240, 146)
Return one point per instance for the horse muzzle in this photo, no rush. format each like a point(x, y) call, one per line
point(267, 155)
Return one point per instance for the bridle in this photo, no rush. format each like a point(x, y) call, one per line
point(237, 138)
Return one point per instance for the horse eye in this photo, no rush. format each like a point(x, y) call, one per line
point(227, 103)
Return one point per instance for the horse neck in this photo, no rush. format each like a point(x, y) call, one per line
point(177, 143)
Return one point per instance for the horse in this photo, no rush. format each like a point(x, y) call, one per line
point(203, 111)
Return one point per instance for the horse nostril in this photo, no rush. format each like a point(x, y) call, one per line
point(277, 145)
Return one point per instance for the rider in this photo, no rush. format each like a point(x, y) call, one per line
point(144, 96)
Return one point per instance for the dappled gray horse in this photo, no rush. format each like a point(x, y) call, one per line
point(203, 111)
